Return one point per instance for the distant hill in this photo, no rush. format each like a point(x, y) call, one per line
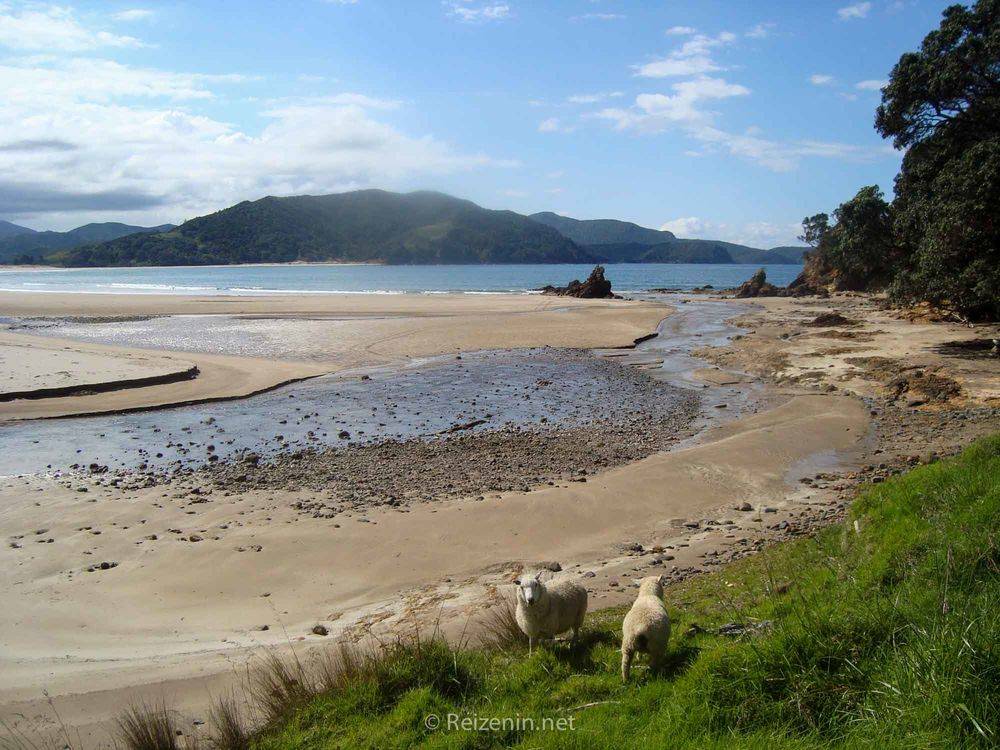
point(364, 225)
point(37, 245)
point(613, 241)
point(13, 230)
point(602, 231)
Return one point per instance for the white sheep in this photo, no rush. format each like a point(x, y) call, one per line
point(646, 627)
point(546, 610)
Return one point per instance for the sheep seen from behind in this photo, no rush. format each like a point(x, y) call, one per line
point(646, 627)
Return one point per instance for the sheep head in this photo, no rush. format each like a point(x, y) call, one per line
point(530, 589)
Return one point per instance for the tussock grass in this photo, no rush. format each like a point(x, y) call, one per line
point(885, 632)
point(499, 630)
point(147, 726)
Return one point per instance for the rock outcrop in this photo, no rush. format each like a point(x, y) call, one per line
point(595, 287)
point(757, 286)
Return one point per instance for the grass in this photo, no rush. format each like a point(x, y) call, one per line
point(885, 631)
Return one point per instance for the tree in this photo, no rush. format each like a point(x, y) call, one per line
point(943, 104)
point(860, 247)
point(857, 251)
point(814, 229)
point(954, 80)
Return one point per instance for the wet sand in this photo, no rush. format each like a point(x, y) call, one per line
point(32, 369)
point(323, 333)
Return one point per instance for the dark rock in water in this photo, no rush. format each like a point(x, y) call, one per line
point(757, 286)
point(595, 287)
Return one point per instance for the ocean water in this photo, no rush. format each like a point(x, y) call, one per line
point(371, 279)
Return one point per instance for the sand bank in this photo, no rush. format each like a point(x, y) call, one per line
point(217, 377)
point(343, 332)
point(30, 369)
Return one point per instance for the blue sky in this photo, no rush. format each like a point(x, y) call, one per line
point(728, 120)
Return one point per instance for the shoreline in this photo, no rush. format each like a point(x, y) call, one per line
point(794, 457)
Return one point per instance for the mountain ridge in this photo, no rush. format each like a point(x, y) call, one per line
point(379, 226)
point(614, 241)
point(34, 244)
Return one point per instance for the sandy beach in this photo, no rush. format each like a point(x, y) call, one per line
point(361, 331)
point(165, 589)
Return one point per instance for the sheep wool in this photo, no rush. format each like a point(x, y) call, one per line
point(646, 627)
point(544, 610)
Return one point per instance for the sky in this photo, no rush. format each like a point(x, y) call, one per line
point(718, 119)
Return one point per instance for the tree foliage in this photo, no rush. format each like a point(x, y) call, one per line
point(940, 239)
point(953, 81)
point(857, 250)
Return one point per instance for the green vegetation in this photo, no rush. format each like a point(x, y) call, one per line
point(885, 632)
point(939, 241)
point(382, 227)
point(360, 226)
point(612, 241)
point(29, 246)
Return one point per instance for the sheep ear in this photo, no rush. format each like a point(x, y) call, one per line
point(538, 576)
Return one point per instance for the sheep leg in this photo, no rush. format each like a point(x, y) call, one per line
point(654, 662)
point(627, 655)
point(531, 642)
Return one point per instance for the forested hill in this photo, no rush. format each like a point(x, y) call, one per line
point(602, 231)
point(613, 241)
point(384, 227)
point(32, 245)
point(12, 230)
point(364, 225)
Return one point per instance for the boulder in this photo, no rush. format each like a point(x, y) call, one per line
point(757, 286)
point(595, 287)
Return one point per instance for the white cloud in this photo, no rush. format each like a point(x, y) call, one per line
point(50, 82)
point(553, 125)
point(760, 31)
point(593, 98)
point(50, 28)
point(857, 10)
point(691, 58)
point(820, 79)
point(871, 85)
point(653, 113)
point(780, 156)
point(134, 14)
point(761, 234)
point(598, 17)
point(467, 12)
point(680, 30)
point(83, 138)
point(656, 113)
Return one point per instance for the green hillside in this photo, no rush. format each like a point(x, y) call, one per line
point(613, 241)
point(39, 244)
point(7, 229)
point(602, 231)
point(365, 225)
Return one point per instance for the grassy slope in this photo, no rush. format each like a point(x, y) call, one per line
point(889, 638)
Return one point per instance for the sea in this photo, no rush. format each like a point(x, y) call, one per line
point(322, 278)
